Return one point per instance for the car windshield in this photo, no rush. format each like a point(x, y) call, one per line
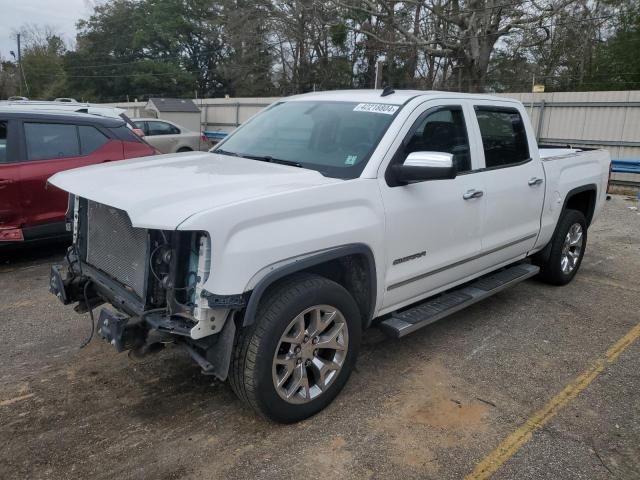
point(334, 138)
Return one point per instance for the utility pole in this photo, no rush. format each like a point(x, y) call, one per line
point(378, 80)
point(24, 78)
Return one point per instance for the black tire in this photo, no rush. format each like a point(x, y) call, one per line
point(551, 267)
point(250, 374)
point(184, 149)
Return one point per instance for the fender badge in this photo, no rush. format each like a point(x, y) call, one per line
point(414, 256)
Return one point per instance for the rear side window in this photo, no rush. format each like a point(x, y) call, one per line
point(51, 140)
point(3, 142)
point(91, 139)
point(161, 128)
point(503, 136)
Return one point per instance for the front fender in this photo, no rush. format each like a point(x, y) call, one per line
point(254, 238)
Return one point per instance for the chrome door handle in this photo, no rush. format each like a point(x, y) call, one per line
point(535, 181)
point(472, 194)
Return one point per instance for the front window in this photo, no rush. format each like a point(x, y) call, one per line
point(334, 138)
point(442, 130)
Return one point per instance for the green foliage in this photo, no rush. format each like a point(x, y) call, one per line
point(616, 63)
point(9, 79)
point(42, 62)
point(141, 48)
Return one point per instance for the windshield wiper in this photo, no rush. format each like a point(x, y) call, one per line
point(227, 152)
point(262, 158)
point(270, 159)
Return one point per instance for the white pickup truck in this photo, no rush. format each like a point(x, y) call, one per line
point(323, 215)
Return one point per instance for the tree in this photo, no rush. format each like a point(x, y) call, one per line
point(139, 48)
point(616, 64)
point(144, 48)
point(42, 63)
point(463, 32)
point(9, 79)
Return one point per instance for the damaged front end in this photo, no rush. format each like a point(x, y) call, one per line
point(153, 281)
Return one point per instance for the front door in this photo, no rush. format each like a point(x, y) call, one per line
point(433, 227)
point(10, 200)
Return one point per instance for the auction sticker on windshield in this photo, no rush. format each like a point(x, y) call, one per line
point(376, 108)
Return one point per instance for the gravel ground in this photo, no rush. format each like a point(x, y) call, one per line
point(429, 406)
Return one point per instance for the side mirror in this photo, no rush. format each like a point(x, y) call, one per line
point(423, 166)
point(139, 132)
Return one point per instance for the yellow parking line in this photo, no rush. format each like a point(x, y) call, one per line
point(510, 445)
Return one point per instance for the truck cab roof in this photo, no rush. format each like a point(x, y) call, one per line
point(398, 97)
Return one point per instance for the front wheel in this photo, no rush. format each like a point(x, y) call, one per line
point(296, 357)
point(567, 249)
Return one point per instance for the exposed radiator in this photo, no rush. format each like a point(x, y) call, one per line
point(117, 248)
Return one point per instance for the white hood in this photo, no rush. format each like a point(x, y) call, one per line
point(163, 191)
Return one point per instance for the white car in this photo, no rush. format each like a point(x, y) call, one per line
point(67, 105)
point(322, 215)
point(169, 137)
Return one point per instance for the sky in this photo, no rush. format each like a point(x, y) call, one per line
point(60, 15)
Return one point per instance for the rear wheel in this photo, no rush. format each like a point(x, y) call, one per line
point(567, 249)
point(296, 357)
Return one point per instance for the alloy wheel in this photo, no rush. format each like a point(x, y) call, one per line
point(571, 249)
point(310, 354)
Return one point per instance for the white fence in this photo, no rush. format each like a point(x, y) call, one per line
point(609, 120)
point(221, 114)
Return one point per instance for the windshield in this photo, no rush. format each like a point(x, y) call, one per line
point(335, 138)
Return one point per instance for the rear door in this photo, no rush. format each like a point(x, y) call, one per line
point(50, 148)
point(133, 146)
point(10, 200)
point(513, 178)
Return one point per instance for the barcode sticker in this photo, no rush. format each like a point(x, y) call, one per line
point(376, 108)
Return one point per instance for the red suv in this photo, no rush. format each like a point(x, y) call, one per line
point(36, 144)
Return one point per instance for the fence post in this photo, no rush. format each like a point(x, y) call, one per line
point(540, 120)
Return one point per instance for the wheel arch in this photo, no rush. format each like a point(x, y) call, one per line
point(352, 266)
point(582, 199)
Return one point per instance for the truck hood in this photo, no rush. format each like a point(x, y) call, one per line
point(163, 191)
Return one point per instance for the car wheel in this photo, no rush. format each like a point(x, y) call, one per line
point(184, 149)
point(567, 249)
point(298, 354)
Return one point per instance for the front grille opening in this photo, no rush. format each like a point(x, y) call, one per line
point(159, 266)
point(115, 247)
